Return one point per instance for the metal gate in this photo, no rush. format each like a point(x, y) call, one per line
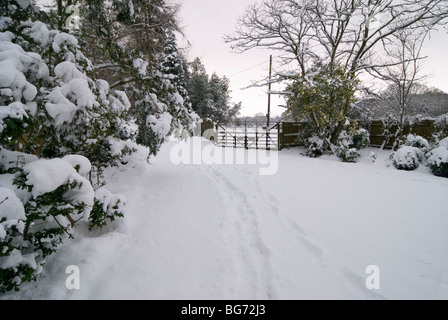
point(249, 137)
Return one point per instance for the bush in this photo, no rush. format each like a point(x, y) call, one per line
point(41, 203)
point(316, 147)
point(361, 139)
point(417, 142)
point(407, 158)
point(438, 161)
point(349, 144)
point(107, 206)
point(348, 155)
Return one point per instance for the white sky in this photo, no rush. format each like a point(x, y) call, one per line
point(206, 21)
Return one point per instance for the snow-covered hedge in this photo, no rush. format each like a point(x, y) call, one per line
point(41, 203)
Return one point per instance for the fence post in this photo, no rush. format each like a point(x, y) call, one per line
point(256, 135)
point(268, 131)
point(246, 145)
point(234, 137)
point(279, 137)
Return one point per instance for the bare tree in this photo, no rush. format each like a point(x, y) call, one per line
point(343, 32)
point(403, 76)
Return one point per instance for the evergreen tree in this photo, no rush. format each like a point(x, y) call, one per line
point(210, 96)
point(219, 107)
point(136, 51)
point(50, 109)
point(198, 88)
point(174, 80)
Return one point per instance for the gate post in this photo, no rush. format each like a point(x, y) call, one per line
point(246, 145)
point(256, 135)
point(268, 131)
point(280, 137)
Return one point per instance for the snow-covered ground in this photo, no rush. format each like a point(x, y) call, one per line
point(309, 231)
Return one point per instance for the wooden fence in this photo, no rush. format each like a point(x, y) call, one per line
point(290, 131)
point(424, 128)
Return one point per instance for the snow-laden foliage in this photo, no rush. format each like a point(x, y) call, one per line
point(438, 159)
point(323, 99)
point(418, 142)
point(350, 142)
point(164, 105)
point(41, 203)
point(407, 158)
point(417, 150)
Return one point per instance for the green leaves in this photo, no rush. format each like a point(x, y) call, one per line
point(323, 98)
point(13, 128)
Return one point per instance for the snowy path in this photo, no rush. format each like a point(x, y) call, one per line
point(225, 232)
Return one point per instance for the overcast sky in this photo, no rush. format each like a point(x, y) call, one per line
point(205, 23)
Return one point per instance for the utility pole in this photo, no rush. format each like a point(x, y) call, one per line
point(268, 116)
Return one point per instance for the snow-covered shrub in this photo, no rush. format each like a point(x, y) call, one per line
point(41, 203)
point(441, 126)
point(107, 207)
point(361, 139)
point(18, 71)
point(438, 162)
point(438, 159)
point(16, 265)
point(316, 146)
point(407, 158)
point(348, 155)
point(443, 143)
point(349, 144)
point(43, 200)
point(417, 142)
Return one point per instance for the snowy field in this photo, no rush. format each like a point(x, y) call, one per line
point(309, 231)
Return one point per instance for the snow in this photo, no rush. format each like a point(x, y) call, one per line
point(64, 101)
point(438, 156)
point(140, 65)
point(14, 64)
point(444, 143)
point(407, 158)
point(160, 124)
point(16, 258)
point(15, 110)
point(110, 200)
point(24, 3)
point(48, 175)
point(39, 33)
point(10, 159)
point(117, 146)
point(67, 71)
point(310, 231)
point(76, 160)
point(11, 207)
point(122, 103)
point(62, 39)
